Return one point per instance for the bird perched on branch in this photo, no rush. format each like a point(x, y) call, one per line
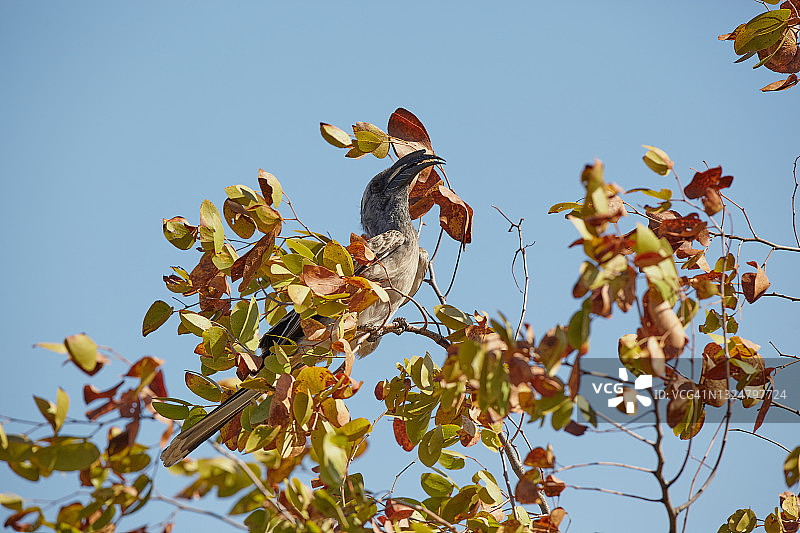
point(399, 267)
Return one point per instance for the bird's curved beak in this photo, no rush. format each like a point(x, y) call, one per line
point(407, 167)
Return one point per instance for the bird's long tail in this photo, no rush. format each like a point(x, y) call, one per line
point(287, 328)
point(183, 444)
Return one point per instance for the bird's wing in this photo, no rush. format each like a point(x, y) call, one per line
point(383, 245)
point(422, 269)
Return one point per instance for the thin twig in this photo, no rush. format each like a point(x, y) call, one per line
point(183, 507)
point(520, 250)
point(794, 192)
point(603, 463)
point(615, 492)
point(762, 437)
point(758, 239)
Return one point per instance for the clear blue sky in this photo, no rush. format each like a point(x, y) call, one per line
point(117, 115)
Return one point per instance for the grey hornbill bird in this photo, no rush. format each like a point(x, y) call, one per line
point(400, 266)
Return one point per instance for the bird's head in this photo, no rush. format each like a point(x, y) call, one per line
point(386, 195)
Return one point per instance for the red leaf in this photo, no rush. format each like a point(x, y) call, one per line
point(766, 402)
point(396, 510)
point(90, 392)
point(404, 125)
point(401, 436)
point(709, 179)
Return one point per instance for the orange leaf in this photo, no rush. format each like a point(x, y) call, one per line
point(360, 250)
point(455, 216)
point(540, 458)
point(420, 197)
point(780, 85)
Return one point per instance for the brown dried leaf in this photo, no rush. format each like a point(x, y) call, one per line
point(420, 197)
point(666, 322)
point(455, 215)
point(780, 85)
point(248, 265)
point(322, 281)
point(203, 273)
point(553, 486)
point(526, 491)
point(754, 284)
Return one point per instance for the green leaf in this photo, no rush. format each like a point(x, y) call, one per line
point(355, 429)
point(82, 350)
point(302, 407)
point(67, 457)
point(333, 461)
point(742, 521)
point(195, 323)
point(171, 410)
point(452, 317)
point(155, 317)
point(646, 240)
point(244, 323)
point(578, 329)
point(490, 493)
point(334, 136)
point(215, 339)
point(657, 160)
point(586, 409)
point(451, 460)
point(11, 501)
point(762, 31)
point(663, 194)
point(203, 387)
point(563, 206)
point(179, 232)
point(490, 439)
point(62, 406)
point(791, 467)
point(57, 347)
point(211, 219)
point(430, 447)
point(47, 408)
point(435, 485)
point(335, 257)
